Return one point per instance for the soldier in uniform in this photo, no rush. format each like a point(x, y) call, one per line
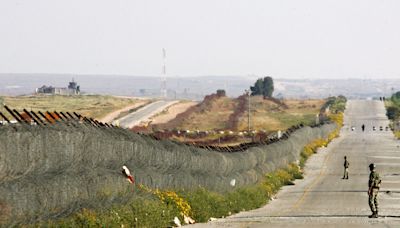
point(373, 184)
point(346, 168)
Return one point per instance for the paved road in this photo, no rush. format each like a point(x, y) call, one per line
point(144, 113)
point(322, 198)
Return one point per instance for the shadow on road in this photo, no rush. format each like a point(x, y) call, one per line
point(322, 191)
point(319, 216)
point(351, 191)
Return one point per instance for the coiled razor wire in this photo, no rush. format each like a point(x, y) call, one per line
point(53, 167)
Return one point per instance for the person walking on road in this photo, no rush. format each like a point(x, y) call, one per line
point(346, 168)
point(373, 189)
point(363, 127)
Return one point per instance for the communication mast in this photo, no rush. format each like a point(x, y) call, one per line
point(164, 75)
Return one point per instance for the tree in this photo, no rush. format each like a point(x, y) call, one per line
point(258, 87)
point(263, 87)
point(396, 98)
point(268, 87)
point(393, 112)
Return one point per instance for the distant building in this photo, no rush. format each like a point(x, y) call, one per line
point(72, 89)
point(221, 93)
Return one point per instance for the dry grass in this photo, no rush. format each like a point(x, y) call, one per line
point(265, 114)
point(397, 134)
point(214, 116)
point(269, 116)
point(95, 106)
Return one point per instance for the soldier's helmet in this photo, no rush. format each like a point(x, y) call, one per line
point(371, 166)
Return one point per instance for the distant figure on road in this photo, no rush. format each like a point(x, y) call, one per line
point(346, 168)
point(373, 188)
point(363, 127)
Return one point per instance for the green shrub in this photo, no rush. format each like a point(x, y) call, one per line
point(393, 112)
point(139, 212)
point(397, 134)
point(206, 204)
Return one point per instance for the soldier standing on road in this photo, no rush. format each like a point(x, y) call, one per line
point(373, 184)
point(346, 168)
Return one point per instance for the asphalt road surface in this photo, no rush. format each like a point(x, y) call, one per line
point(323, 198)
point(143, 114)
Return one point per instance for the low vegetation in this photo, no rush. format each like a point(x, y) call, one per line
point(335, 104)
point(312, 147)
point(157, 208)
point(95, 106)
point(393, 113)
point(273, 115)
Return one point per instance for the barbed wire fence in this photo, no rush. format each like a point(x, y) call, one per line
point(54, 163)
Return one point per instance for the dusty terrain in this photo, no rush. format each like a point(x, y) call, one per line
point(172, 111)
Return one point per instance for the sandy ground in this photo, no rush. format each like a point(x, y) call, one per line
point(172, 112)
point(111, 116)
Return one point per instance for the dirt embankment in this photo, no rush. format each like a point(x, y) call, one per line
point(223, 113)
point(212, 113)
point(171, 112)
point(234, 118)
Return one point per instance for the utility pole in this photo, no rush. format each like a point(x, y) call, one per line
point(248, 111)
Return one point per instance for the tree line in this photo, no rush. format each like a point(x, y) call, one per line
point(393, 111)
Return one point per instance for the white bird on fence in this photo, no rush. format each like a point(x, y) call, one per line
point(127, 174)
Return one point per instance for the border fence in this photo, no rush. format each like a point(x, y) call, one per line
point(54, 163)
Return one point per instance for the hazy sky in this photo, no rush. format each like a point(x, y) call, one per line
point(281, 38)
